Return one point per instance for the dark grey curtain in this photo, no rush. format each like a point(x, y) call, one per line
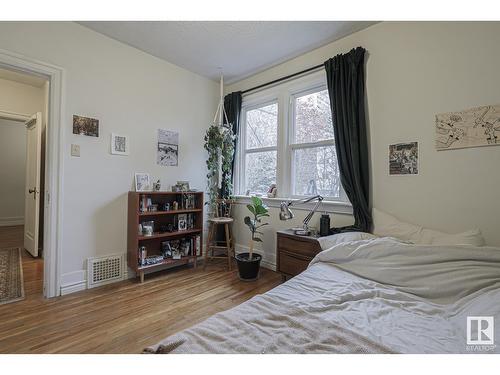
point(346, 87)
point(232, 105)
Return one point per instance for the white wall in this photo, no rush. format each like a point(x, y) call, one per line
point(131, 93)
point(20, 98)
point(23, 99)
point(12, 172)
point(415, 70)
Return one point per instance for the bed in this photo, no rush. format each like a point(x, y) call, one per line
point(362, 295)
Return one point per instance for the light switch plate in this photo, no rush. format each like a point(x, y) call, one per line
point(75, 150)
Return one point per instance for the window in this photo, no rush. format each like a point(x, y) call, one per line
point(314, 159)
point(260, 150)
point(287, 139)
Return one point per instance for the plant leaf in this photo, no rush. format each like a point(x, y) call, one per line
point(256, 201)
point(251, 208)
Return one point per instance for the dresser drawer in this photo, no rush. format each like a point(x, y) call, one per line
point(297, 246)
point(292, 265)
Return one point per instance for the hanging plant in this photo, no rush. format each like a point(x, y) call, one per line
point(219, 142)
point(227, 154)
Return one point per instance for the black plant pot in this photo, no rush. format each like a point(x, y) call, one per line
point(248, 269)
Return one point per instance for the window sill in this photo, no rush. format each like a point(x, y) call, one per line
point(336, 207)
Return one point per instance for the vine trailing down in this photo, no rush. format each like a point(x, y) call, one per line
point(219, 142)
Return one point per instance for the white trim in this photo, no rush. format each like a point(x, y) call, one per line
point(335, 207)
point(239, 181)
point(14, 116)
point(73, 282)
point(53, 200)
point(267, 261)
point(11, 221)
point(72, 288)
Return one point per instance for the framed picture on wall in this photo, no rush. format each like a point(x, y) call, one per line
point(119, 144)
point(168, 148)
point(403, 159)
point(85, 126)
point(142, 182)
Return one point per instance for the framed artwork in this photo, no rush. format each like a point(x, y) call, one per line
point(85, 126)
point(142, 182)
point(403, 159)
point(119, 144)
point(474, 127)
point(183, 185)
point(168, 148)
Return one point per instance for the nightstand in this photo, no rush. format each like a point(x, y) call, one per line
point(294, 252)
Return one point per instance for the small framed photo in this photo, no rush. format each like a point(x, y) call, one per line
point(182, 225)
point(119, 144)
point(183, 185)
point(403, 159)
point(85, 126)
point(142, 182)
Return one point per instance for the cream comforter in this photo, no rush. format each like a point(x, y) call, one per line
point(376, 295)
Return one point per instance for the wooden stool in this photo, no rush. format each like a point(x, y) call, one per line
point(222, 217)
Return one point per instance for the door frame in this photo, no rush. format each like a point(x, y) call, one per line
point(53, 191)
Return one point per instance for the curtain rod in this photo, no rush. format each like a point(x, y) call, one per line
point(282, 79)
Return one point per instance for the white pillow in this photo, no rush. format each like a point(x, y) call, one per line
point(385, 225)
point(334, 239)
point(471, 237)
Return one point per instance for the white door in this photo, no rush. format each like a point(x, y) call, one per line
point(32, 193)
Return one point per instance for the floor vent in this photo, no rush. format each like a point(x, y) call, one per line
point(104, 270)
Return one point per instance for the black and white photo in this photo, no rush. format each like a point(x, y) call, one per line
point(119, 144)
point(168, 148)
point(85, 126)
point(403, 158)
point(142, 182)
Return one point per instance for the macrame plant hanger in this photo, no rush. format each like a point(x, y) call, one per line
point(221, 115)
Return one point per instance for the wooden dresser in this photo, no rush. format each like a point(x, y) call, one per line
point(294, 252)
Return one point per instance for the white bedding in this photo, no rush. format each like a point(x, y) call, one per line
point(373, 295)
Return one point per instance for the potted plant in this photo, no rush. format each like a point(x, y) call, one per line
point(249, 263)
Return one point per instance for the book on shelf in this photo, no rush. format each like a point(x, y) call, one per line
point(197, 246)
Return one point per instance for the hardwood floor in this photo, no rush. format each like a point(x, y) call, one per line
point(122, 317)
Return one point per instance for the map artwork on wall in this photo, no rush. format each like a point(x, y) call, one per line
point(403, 158)
point(473, 127)
point(168, 148)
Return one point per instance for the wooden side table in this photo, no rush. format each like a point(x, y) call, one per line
point(294, 252)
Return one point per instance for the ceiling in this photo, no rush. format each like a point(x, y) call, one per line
point(19, 77)
point(238, 49)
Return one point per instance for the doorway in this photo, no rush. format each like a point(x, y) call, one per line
point(24, 109)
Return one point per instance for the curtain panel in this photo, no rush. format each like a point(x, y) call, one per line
point(346, 87)
point(232, 106)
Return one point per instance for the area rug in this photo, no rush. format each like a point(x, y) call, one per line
point(11, 276)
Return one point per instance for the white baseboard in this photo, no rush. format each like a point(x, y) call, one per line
point(73, 282)
point(11, 221)
point(72, 288)
point(268, 261)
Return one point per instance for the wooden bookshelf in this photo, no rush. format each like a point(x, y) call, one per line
point(162, 219)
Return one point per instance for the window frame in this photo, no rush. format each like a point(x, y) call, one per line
point(284, 95)
point(294, 146)
point(243, 151)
